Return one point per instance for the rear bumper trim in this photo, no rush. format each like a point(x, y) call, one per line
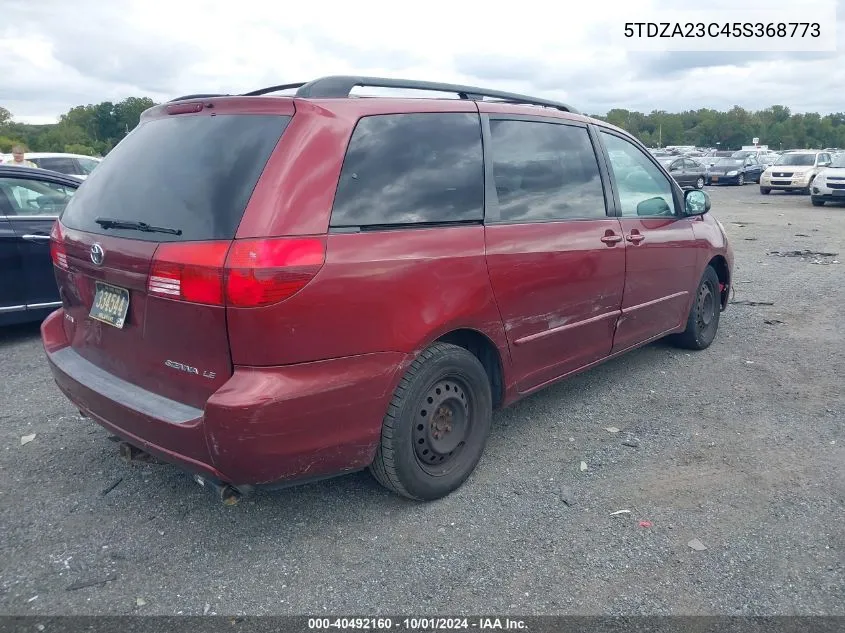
point(109, 386)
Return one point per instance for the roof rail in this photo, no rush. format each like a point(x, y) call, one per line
point(197, 96)
point(340, 86)
point(264, 91)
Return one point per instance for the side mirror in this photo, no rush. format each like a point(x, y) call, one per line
point(696, 202)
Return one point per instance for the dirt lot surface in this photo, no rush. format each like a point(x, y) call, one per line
point(740, 447)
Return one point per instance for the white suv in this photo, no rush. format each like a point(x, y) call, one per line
point(70, 164)
point(794, 171)
point(829, 184)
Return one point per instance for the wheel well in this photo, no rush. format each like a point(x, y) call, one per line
point(486, 352)
point(720, 265)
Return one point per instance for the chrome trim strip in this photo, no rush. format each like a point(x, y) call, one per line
point(4, 309)
point(568, 326)
point(49, 304)
point(31, 217)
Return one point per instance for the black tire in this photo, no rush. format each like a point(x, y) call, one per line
point(806, 190)
point(765, 190)
point(740, 180)
point(817, 202)
point(703, 320)
point(445, 387)
point(699, 184)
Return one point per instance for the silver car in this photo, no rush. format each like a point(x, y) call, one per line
point(829, 184)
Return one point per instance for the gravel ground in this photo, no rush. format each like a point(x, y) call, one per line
point(740, 447)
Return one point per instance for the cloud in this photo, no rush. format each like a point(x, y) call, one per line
point(56, 55)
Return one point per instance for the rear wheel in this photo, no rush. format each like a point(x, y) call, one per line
point(699, 184)
point(765, 190)
point(817, 202)
point(703, 320)
point(436, 426)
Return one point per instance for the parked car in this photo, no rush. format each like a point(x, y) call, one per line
point(686, 171)
point(709, 161)
point(734, 171)
point(794, 171)
point(829, 183)
point(30, 201)
point(75, 165)
point(358, 283)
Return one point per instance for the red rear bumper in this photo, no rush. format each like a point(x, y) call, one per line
point(265, 425)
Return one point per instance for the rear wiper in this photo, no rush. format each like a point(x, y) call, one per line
point(109, 223)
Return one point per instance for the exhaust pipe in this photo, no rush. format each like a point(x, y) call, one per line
point(229, 495)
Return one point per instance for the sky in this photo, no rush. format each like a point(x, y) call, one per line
point(56, 54)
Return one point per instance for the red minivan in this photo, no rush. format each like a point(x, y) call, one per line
point(272, 289)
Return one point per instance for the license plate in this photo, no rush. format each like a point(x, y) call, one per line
point(714, 179)
point(110, 304)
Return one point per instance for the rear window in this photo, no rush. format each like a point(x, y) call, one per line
point(191, 173)
point(406, 169)
point(61, 164)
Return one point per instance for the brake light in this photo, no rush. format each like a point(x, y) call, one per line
point(57, 247)
point(263, 272)
point(243, 273)
point(189, 271)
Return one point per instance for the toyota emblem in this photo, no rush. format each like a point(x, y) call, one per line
point(97, 254)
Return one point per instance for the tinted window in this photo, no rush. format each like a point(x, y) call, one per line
point(193, 173)
point(60, 164)
point(19, 196)
point(87, 164)
point(545, 171)
point(412, 168)
point(691, 164)
point(643, 189)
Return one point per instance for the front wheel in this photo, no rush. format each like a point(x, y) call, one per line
point(436, 425)
point(703, 320)
point(817, 202)
point(740, 180)
point(699, 184)
point(765, 190)
point(806, 190)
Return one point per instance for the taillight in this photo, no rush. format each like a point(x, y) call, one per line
point(263, 272)
point(189, 271)
point(57, 247)
point(243, 273)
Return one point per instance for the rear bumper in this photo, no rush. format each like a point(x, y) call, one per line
point(265, 425)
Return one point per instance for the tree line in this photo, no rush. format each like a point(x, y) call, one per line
point(94, 129)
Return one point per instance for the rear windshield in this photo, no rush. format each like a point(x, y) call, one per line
point(190, 173)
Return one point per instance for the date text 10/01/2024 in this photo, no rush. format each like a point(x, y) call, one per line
point(416, 624)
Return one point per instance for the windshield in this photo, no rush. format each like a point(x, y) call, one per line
point(742, 154)
point(800, 160)
point(194, 174)
point(838, 161)
point(666, 161)
point(729, 162)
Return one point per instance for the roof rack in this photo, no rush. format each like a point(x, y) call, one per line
point(340, 87)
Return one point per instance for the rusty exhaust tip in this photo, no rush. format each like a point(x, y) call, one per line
point(227, 494)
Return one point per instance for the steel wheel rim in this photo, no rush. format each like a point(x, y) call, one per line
point(706, 306)
point(741, 179)
point(699, 183)
point(442, 425)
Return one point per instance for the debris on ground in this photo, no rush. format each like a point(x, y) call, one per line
point(814, 257)
point(646, 524)
point(567, 497)
point(618, 512)
point(583, 466)
point(774, 322)
point(91, 582)
point(749, 362)
point(631, 441)
point(140, 602)
point(801, 235)
point(26, 439)
point(746, 302)
point(697, 545)
point(206, 609)
point(113, 485)
point(611, 429)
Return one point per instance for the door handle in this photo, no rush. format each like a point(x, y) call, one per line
point(635, 238)
point(36, 238)
point(611, 239)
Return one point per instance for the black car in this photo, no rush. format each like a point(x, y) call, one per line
point(735, 171)
point(686, 171)
point(30, 202)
